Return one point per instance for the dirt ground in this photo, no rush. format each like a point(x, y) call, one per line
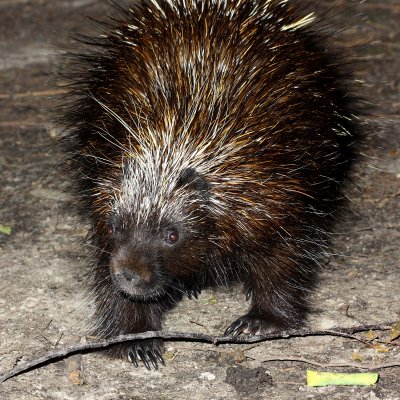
point(42, 303)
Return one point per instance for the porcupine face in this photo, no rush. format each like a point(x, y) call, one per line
point(151, 251)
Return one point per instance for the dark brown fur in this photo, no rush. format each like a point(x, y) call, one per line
point(208, 143)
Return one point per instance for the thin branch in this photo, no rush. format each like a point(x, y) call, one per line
point(55, 355)
point(41, 93)
point(333, 365)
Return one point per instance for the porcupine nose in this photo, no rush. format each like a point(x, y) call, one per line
point(130, 276)
point(130, 267)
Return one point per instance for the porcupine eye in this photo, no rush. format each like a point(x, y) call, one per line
point(172, 236)
point(112, 228)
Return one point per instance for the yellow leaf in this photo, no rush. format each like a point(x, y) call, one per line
point(316, 378)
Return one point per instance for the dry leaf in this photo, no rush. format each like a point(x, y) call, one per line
point(371, 335)
point(357, 357)
point(395, 331)
point(380, 348)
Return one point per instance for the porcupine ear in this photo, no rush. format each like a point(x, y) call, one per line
point(190, 178)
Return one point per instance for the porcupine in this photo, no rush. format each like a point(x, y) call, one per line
point(208, 142)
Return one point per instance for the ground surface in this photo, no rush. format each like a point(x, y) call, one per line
point(40, 264)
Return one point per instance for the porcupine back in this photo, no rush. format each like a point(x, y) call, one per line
point(232, 118)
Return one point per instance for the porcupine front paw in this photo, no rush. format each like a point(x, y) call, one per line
point(149, 351)
point(192, 292)
point(188, 289)
point(251, 325)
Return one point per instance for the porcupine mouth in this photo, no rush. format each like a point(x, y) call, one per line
point(142, 291)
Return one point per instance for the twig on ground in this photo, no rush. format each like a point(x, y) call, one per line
point(40, 93)
point(333, 365)
point(55, 355)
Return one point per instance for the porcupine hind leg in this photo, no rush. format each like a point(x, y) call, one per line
point(277, 303)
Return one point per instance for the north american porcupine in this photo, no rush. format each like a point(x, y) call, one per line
point(208, 142)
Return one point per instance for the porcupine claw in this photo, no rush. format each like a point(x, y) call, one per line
point(251, 325)
point(148, 351)
point(194, 291)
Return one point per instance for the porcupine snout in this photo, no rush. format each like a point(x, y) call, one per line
point(136, 272)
